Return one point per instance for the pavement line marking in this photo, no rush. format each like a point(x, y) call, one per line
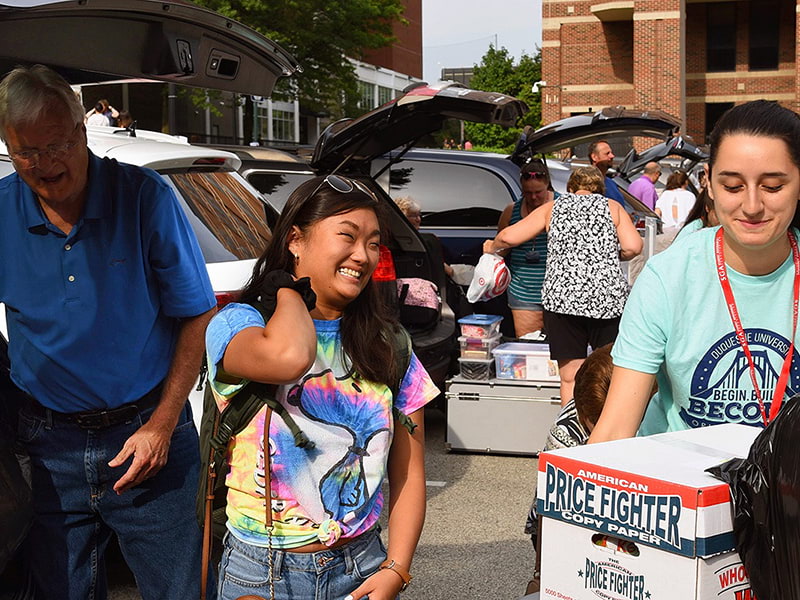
point(435, 483)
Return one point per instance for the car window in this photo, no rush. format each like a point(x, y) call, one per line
point(276, 186)
point(228, 218)
point(441, 186)
point(6, 168)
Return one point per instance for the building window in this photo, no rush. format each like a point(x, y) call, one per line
point(764, 35)
point(366, 95)
point(283, 125)
point(714, 111)
point(384, 95)
point(721, 37)
point(263, 115)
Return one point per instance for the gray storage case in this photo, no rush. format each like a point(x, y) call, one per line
point(507, 416)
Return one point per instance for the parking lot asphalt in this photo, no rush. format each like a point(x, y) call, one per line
point(473, 545)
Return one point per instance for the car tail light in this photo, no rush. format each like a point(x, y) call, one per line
point(224, 298)
point(385, 269)
point(215, 160)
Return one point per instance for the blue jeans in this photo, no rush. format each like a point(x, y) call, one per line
point(77, 510)
point(326, 575)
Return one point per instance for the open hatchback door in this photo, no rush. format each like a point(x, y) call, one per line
point(350, 144)
point(608, 122)
point(172, 41)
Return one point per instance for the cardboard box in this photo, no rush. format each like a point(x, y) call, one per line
point(529, 361)
point(574, 567)
point(640, 519)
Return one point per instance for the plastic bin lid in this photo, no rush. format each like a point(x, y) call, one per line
point(479, 340)
point(477, 319)
point(520, 348)
point(477, 360)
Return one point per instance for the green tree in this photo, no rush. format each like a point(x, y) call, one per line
point(498, 73)
point(321, 34)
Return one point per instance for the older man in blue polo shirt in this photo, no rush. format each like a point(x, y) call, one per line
point(107, 300)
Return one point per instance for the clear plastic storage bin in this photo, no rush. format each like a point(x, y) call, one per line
point(472, 347)
point(480, 326)
point(517, 360)
point(476, 368)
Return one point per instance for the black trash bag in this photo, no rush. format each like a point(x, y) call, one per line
point(765, 490)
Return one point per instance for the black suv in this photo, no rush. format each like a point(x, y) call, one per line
point(354, 147)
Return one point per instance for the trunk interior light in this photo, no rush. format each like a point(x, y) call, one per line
point(385, 269)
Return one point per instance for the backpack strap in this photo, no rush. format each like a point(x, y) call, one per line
point(401, 343)
point(250, 399)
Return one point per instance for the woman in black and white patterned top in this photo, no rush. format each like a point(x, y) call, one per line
point(584, 289)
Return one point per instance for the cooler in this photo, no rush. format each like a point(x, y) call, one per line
point(500, 415)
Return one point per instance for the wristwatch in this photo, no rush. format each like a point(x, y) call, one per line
point(404, 575)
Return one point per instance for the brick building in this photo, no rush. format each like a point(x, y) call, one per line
point(405, 54)
point(689, 58)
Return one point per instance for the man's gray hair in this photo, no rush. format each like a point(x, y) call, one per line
point(28, 93)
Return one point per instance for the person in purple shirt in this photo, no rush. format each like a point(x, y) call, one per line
point(644, 188)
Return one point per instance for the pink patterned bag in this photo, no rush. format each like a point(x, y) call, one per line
point(419, 302)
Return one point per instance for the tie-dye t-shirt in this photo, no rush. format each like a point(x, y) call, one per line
point(333, 490)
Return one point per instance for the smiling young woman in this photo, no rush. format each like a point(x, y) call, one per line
point(331, 355)
point(714, 318)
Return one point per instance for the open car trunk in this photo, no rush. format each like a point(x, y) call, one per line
point(171, 41)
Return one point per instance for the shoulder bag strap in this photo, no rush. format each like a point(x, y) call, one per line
point(207, 525)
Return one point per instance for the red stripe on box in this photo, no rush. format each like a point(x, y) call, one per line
point(690, 496)
point(711, 496)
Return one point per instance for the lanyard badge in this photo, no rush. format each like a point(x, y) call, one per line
point(722, 273)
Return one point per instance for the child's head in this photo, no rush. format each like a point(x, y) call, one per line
point(591, 385)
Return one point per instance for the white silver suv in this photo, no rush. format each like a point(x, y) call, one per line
point(228, 215)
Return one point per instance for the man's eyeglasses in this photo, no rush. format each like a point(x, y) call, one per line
point(28, 159)
point(533, 175)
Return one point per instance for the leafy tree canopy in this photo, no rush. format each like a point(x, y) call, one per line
point(498, 73)
point(321, 34)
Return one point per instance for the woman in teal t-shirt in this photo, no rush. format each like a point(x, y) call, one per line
point(712, 317)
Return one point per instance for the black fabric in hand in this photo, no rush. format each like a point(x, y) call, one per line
point(276, 280)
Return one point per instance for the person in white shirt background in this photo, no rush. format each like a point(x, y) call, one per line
point(676, 201)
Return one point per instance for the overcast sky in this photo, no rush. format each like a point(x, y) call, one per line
point(458, 33)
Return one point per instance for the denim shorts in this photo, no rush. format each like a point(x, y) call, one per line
point(326, 575)
point(515, 303)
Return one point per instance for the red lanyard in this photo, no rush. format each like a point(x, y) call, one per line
point(722, 272)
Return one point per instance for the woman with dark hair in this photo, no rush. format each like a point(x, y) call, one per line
point(675, 203)
point(584, 290)
point(714, 318)
point(526, 262)
point(328, 348)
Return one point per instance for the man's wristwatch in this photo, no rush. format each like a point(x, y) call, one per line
point(404, 575)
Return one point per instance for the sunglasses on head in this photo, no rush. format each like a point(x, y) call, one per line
point(533, 175)
point(343, 185)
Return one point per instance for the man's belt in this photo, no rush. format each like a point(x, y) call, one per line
point(98, 419)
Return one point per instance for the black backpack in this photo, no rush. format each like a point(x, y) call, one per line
point(217, 429)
